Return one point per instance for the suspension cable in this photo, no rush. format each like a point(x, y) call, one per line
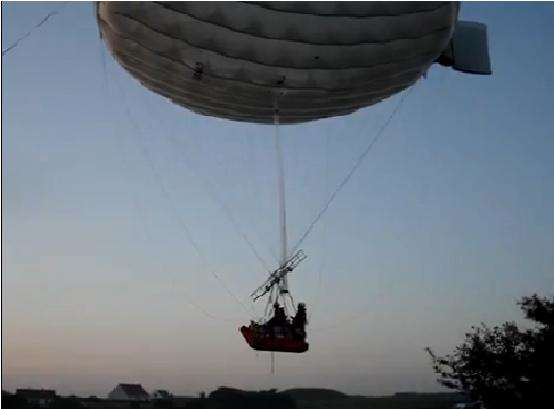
point(354, 168)
point(188, 299)
point(16, 43)
point(210, 188)
point(175, 212)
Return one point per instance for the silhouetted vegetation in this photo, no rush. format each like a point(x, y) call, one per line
point(11, 401)
point(505, 367)
point(228, 398)
point(398, 401)
point(66, 403)
point(314, 394)
point(163, 403)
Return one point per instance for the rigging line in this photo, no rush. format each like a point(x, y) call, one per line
point(15, 44)
point(203, 311)
point(187, 298)
point(121, 142)
point(232, 294)
point(246, 239)
point(211, 188)
point(189, 234)
point(325, 228)
point(174, 209)
point(252, 161)
point(281, 191)
point(187, 231)
point(102, 52)
point(354, 168)
point(160, 181)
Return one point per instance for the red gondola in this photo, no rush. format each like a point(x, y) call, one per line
point(265, 343)
point(279, 334)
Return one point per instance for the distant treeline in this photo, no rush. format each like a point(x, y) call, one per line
point(229, 398)
point(11, 401)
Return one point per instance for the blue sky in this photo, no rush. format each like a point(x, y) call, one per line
point(448, 221)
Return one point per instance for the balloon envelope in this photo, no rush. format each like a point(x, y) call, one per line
point(309, 60)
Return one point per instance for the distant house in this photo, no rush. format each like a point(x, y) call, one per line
point(469, 405)
point(129, 391)
point(40, 397)
point(161, 394)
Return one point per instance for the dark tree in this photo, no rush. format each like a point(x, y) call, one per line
point(66, 403)
point(11, 401)
point(229, 398)
point(163, 403)
point(505, 367)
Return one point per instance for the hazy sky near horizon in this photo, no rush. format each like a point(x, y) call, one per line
point(447, 223)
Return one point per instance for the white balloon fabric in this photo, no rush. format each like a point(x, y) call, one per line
point(309, 60)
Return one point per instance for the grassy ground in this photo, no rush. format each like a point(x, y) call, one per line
point(431, 401)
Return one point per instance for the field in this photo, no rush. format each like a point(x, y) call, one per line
point(398, 401)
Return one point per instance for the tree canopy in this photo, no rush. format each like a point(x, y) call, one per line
point(505, 366)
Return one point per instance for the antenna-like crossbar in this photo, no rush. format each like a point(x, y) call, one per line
point(278, 275)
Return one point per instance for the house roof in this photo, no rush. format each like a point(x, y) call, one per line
point(134, 389)
point(162, 393)
point(36, 393)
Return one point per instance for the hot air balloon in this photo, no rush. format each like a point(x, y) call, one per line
point(286, 63)
point(310, 60)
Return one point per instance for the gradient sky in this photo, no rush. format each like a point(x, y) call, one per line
point(447, 223)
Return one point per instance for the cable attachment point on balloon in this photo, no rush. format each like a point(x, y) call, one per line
point(277, 276)
point(198, 71)
point(277, 94)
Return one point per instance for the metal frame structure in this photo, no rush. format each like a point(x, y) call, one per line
point(276, 284)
